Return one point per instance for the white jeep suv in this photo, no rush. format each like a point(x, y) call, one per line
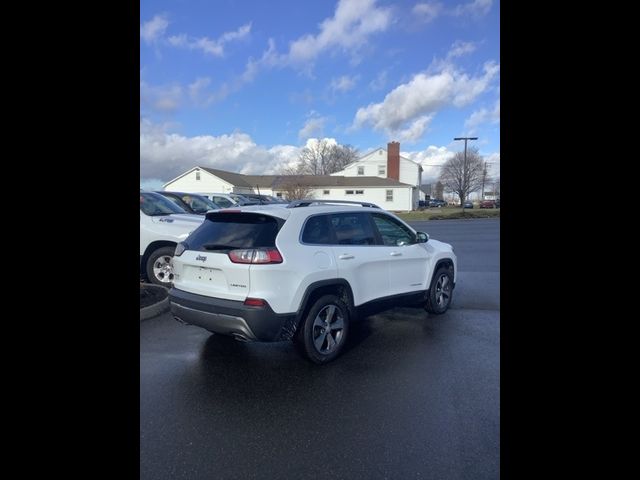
point(305, 271)
point(163, 225)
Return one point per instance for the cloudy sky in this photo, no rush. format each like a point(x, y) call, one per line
point(243, 85)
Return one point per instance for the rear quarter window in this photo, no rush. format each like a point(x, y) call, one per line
point(317, 230)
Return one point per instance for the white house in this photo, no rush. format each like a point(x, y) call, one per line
point(390, 181)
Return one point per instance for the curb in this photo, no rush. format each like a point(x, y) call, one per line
point(154, 310)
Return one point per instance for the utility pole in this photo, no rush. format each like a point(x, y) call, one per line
point(464, 171)
point(484, 177)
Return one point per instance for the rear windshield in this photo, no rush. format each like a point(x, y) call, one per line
point(226, 231)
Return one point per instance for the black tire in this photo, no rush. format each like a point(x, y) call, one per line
point(309, 332)
point(440, 292)
point(159, 255)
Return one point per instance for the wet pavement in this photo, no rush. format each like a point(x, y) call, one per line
point(413, 396)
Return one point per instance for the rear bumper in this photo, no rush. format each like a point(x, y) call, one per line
point(229, 317)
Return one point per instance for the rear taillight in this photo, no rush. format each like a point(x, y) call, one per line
point(255, 302)
point(256, 256)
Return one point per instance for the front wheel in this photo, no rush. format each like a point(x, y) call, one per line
point(323, 332)
point(159, 268)
point(440, 292)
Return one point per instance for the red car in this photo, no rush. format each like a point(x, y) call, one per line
point(488, 204)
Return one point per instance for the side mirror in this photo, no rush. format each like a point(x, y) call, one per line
point(422, 237)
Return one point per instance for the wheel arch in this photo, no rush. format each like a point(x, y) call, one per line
point(338, 286)
point(152, 247)
point(443, 262)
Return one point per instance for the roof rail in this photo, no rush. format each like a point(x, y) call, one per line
point(311, 201)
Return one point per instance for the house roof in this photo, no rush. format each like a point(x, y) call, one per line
point(272, 181)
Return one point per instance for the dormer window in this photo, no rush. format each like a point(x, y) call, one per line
point(382, 169)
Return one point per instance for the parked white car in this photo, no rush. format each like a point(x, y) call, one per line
point(162, 226)
point(303, 271)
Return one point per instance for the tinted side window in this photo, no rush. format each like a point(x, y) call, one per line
point(393, 233)
point(317, 230)
point(353, 229)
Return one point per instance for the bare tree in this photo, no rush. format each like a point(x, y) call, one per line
point(293, 185)
point(314, 160)
point(323, 158)
point(463, 176)
point(340, 157)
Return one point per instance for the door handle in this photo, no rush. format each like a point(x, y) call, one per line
point(345, 256)
point(395, 254)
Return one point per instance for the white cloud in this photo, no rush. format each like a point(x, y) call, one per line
point(343, 83)
point(197, 88)
point(162, 98)
point(484, 116)
point(165, 155)
point(460, 48)
point(424, 94)
point(152, 30)
point(433, 157)
point(207, 45)
point(427, 11)
point(313, 127)
point(379, 82)
point(430, 158)
point(476, 7)
point(414, 131)
point(353, 22)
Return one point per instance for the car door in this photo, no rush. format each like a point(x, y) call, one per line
point(407, 260)
point(360, 261)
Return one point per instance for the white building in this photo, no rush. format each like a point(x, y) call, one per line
point(382, 177)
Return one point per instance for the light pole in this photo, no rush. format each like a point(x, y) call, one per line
point(464, 168)
point(484, 177)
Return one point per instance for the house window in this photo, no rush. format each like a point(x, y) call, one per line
point(382, 169)
point(325, 192)
point(279, 194)
point(349, 192)
point(359, 192)
point(360, 170)
point(197, 174)
point(389, 195)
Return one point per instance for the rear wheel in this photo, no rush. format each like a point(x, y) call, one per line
point(323, 331)
point(159, 267)
point(441, 292)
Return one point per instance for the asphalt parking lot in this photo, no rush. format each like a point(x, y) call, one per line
point(412, 397)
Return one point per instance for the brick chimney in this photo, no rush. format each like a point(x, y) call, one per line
point(393, 160)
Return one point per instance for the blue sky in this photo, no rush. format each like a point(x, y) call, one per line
point(244, 85)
